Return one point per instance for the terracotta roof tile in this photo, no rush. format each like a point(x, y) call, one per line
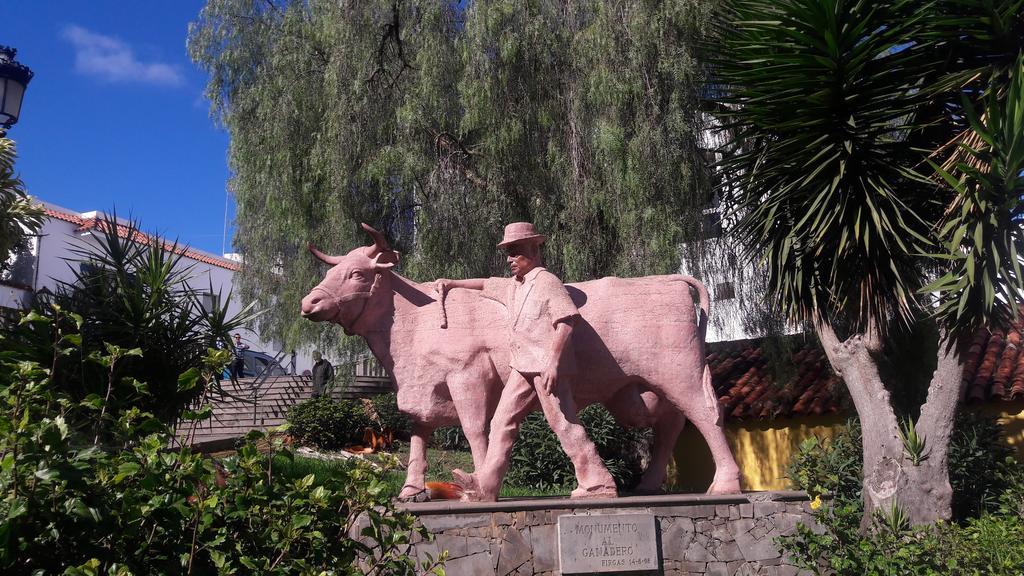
point(142, 238)
point(748, 389)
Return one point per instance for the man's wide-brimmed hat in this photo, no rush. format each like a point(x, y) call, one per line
point(520, 232)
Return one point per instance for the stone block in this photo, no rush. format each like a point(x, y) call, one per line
point(473, 565)
point(441, 522)
point(746, 510)
point(768, 508)
point(536, 517)
point(514, 552)
point(676, 537)
point(717, 569)
point(455, 545)
point(753, 547)
point(544, 542)
point(728, 552)
point(786, 522)
point(722, 510)
point(477, 545)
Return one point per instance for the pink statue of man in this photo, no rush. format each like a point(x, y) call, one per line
point(541, 318)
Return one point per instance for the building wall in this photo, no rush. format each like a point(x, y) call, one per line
point(763, 449)
point(55, 246)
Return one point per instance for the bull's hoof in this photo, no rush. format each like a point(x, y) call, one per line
point(470, 489)
point(412, 494)
point(730, 485)
point(594, 493)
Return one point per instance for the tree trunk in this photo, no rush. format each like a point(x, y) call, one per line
point(890, 477)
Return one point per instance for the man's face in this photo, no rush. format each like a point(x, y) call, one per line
point(522, 257)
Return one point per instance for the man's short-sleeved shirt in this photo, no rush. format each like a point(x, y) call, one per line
point(535, 305)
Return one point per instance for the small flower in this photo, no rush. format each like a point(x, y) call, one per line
point(816, 503)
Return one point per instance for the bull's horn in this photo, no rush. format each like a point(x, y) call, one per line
point(332, 260)
point(380, 243)
point(380, 247)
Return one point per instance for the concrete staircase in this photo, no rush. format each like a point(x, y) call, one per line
point(264, 404)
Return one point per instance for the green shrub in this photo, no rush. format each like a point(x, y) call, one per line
point(449, 438)
point(129, 505)
point(140, 296)
point(833, 467)
point(980, 464)
point(324, 423)
point(539, 462)
point(386, 406)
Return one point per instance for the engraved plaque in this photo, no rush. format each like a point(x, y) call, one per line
point(607, 543)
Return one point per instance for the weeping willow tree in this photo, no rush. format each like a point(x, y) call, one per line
point(439, 122)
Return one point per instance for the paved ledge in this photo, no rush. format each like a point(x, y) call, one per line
point(556, 502)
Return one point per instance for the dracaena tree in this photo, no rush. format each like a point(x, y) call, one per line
point(876, 167)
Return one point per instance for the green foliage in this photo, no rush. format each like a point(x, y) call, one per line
point(139, 296)
point(981, 235)
point(449, 438)
point(981, 465)
point(452, 119)
point(327, 424)
point(132, 505)
point(386, 406)
point(915, 446)
point(988, 492)
point(538, 461)
point(18, 216)
point(832, 468)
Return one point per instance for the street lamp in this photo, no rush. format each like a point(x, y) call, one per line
point(14, 78)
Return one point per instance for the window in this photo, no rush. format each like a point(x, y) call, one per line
point(711, 225)
point(20, 268)
point(209, 301)
point(725, 291)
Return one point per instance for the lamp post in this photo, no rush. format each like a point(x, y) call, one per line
point(14, 78)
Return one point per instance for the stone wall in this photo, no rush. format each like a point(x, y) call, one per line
point(730, 535)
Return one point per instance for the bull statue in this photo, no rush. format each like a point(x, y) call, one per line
point(639, 345)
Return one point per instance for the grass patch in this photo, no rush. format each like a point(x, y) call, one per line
point(439, 469)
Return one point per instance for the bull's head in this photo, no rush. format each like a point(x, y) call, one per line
point(345, 292)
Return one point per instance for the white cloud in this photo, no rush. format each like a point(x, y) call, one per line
point(111, 59)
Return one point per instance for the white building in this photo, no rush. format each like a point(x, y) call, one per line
point(50, 258)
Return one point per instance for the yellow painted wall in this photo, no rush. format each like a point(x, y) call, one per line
point(764, 448)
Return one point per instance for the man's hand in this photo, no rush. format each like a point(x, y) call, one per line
point(549, 377)
point(441, 286)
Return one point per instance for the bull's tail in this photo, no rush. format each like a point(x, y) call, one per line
point(710, 398)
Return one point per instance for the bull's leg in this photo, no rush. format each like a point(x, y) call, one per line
point(414, 489)
point(703, 410)
point(727, 474)
point(472, 407)
point(666, 432)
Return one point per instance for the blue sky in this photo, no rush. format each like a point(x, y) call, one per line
point(115, 115)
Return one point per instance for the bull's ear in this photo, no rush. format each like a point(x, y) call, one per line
point(385, 260)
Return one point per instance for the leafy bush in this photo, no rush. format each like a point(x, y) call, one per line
point(980, 464)
point(327, 424)
point(449, 438)
point(539, 462)
point(833, 467)
point(386, 406)
point(133, 295)
point(984, 480)
point(72, 505)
